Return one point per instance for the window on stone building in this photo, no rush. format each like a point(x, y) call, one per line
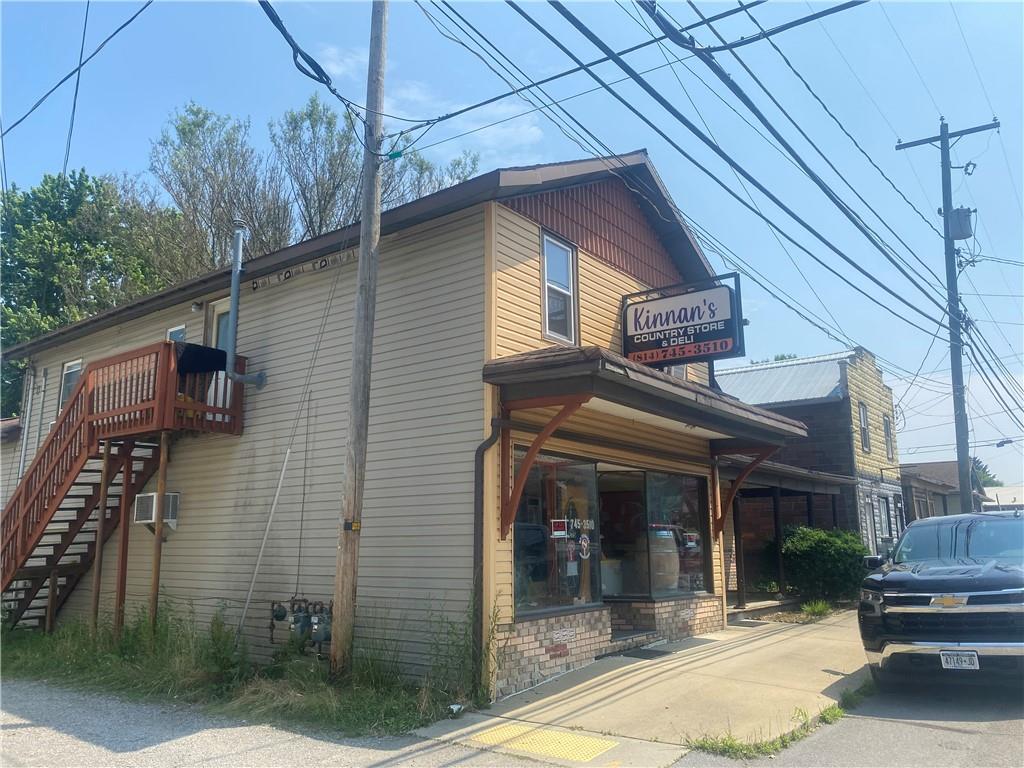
point(559, 290)
point(865, 434)
point(556, 535)
point(890, 447)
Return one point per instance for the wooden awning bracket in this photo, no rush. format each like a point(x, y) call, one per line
point(570, 404)
point(734, 487)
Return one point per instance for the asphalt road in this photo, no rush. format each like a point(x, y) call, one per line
point(933, 726)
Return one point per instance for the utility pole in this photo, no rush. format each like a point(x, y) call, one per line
point(953, 314)
point(347, 563)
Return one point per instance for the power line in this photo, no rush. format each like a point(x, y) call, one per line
point(573, 70)
point(649, 7)
point(984, 91)
point(74, 101)
point(70, 74)
point(853, 140)
point(881, 7)
point(595, 40)
point(793, 261)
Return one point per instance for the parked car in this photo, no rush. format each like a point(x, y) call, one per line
point(948, 600)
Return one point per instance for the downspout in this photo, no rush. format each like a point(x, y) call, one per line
point(26, 417)
point(259, 379)
point(478, 547)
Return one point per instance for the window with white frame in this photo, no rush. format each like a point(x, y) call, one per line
point(176, 334)
point(865, 434)
point(69, 375)
point(559, 290)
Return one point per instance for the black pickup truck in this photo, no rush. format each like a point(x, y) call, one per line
point(948, 600)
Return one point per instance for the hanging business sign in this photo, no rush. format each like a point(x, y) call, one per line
point(684, 323)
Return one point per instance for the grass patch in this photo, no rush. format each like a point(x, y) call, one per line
point(739, 749)
point(817, 609)
point(180, 662)
point(852, 698)
point(733, 747)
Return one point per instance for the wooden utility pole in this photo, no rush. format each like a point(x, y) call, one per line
point(158, 525)
point(953, 313)
point(127, 494)
point(347, 563)
point(101, 523)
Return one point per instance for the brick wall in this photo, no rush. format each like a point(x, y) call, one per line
point(529, 652)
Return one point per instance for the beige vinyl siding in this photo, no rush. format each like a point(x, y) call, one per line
point(426, 410)
point(518, 286)
point(10, 454)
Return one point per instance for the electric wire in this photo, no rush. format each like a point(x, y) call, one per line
point(635, 76)
point(701, 233)
point(664, 50)
point(920, 77)
point(854, 141)
point(74, 100)
point(872, 237)
point(3, 160)
point(77, 69)
point(984, 91)
point(573, 70)
point(997, 392)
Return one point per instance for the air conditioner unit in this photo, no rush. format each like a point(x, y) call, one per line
point(145, 509)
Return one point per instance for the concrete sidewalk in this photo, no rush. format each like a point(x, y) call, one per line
point(640, 709)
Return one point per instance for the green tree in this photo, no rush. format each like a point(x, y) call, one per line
point(70, 249)
point(984, 474)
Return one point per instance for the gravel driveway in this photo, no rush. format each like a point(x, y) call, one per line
point(45, 725)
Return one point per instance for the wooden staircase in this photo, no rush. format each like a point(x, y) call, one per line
point(49, 525)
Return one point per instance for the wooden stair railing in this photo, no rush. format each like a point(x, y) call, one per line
point(132, 394)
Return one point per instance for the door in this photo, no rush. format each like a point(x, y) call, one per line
point(218, 335)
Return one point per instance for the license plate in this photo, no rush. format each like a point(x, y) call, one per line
point(959, 659)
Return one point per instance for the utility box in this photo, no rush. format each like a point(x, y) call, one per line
point(960, 224)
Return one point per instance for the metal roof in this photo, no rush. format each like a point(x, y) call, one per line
point(802, 379)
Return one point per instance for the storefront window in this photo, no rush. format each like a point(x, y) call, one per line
point(624, 570)
point(676, 506)
point(556, 535)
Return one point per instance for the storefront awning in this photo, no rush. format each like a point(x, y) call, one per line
point(611, 380)
point(572, 378)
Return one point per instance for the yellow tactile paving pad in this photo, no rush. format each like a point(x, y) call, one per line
point(545, 741)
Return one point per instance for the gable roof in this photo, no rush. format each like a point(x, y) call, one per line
point(800, 380)
point(634, 169)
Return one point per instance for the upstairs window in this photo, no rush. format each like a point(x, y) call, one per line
point(69, 376)
point(176, 334)
point(865, 434)
point(559, 291)
point(890, 448)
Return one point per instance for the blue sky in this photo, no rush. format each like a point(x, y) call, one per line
point(227, 57)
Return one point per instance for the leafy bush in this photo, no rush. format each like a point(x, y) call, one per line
point(823, 564)
point(816, 608)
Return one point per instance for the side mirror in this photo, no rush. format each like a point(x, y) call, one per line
point(871, 562)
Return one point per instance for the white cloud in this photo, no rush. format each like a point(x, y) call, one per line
point(512, 141)
point(344, 62)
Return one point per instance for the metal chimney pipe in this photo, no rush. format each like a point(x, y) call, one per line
point(259, 379)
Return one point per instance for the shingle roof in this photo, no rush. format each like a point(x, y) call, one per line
point(788, 381)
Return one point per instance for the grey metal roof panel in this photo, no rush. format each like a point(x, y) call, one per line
point(813, 378)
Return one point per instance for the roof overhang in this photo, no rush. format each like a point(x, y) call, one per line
point(498, 185)
point(771, 474)
point(613, 382)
